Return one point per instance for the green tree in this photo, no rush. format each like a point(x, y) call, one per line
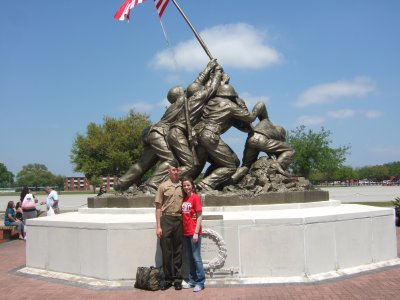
point(378, 173)
point(110, 148)
point(35, 175)
point(6, 177)
point(314, 153)
point(364, 172)
point(94, 181)
point(394, 169)
point(345, 173)
point(317, 176)
point(58, 181)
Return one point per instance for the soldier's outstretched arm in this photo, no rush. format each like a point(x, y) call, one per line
point(241, 114)
point(241, 103)
point(205, 75)
point(214, 82)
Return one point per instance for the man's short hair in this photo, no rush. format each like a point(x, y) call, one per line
point(174, 163)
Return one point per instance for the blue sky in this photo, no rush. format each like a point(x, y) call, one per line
point(318, 63)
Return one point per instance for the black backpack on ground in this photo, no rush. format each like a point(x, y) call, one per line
point(150, 279)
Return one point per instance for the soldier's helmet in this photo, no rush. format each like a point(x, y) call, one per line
point(226, 90)
point(174, 93)
point(193, 88)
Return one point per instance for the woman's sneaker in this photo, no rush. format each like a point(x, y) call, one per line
point(198, 288)
point(187, 286)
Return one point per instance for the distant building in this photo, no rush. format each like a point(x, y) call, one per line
point(76, 184)
point(83, 184)
point(108, 181)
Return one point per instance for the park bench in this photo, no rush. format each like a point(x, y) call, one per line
point(7, 230)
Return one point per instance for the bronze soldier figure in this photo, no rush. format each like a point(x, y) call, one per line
point(155, 148)
point(180, 139)
point(220, 113)
point(270, 139)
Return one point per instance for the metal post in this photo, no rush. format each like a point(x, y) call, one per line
point(194, 30)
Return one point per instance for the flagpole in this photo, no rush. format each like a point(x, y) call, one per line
point(169, 44)
point(194, 30)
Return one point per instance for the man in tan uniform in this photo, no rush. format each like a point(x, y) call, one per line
point(168, 203)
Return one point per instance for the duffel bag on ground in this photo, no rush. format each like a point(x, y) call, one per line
point(151, 279)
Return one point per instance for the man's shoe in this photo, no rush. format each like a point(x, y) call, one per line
point(178, 285)
point(198, 288)
point(187, 286)
point(166, 286)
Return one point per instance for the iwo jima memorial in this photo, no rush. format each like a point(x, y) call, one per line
point(261, 223)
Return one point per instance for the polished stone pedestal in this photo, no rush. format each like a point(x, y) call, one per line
point(248, 243)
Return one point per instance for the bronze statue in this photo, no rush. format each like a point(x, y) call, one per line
point(180, 136)
point(190, 131)
point(155, 148)
point(217, 118)
point(270, 139)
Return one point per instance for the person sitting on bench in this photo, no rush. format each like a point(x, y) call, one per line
point(10, 219)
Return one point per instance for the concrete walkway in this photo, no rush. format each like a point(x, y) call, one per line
point(68, 202)
point(377, 284)
point(377, 193)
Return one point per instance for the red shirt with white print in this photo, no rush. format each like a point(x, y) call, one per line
point(190, 206)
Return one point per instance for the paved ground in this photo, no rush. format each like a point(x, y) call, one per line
point(67, 202)
point(378, 284)
point(377, 193)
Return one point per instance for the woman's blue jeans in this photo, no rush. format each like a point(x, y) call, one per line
point(197, 275)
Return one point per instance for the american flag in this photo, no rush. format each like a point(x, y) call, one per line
point(124, 11)
point(160, 6)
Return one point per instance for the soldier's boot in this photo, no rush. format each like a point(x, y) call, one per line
point(203, 187)
point(121, 186)
point(275, 165)
point(147, 189)
point(239, 174)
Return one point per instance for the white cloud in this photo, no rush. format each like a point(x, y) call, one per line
point(310, 120)
point(144, 107)
point(251, 100)
point(338, 114)
point(373, 114)
point(235, 45)
point(341, 114)
point(332, 92)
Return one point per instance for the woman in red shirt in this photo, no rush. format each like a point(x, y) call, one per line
point(191, 218)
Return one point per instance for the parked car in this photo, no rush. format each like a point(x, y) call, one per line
point(391, 182)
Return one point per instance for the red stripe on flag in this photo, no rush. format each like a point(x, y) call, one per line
point(121, 11)
point(161, 5)
point(124, 11)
